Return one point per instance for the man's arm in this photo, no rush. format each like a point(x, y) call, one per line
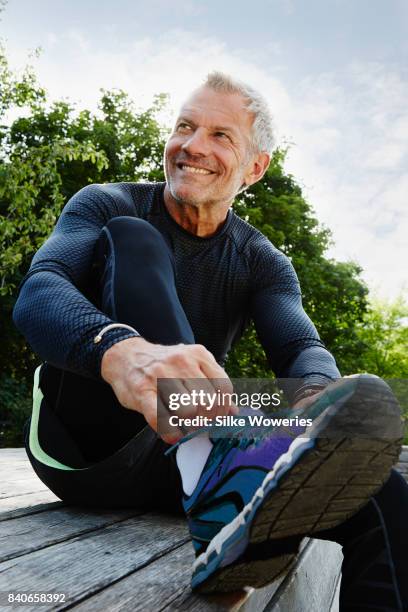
point(288, 336)
point(52, 311)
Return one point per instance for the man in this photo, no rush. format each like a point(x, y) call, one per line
point(154, 281)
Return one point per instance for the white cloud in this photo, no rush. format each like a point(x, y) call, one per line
point(51, 39)
point(288, 7)
point(385, 155)
point(352, 157)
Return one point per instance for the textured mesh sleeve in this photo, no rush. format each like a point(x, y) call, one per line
point(51, 311)
point(288, 336)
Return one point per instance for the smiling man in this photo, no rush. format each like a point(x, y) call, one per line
point(209, 157)
point(145, 281)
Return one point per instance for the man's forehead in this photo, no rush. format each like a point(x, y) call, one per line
point(219, 107)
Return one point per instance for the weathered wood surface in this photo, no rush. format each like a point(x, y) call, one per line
point(36, 531)
point(20, 487)
point(126, 560)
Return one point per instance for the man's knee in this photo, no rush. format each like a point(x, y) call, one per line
point(127, 244)
point(138, 232)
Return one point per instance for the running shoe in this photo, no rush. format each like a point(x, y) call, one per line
point(257, 498)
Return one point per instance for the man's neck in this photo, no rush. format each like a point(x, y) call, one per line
point(203, 221)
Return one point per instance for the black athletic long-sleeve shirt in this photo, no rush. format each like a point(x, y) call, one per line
point(222, 281)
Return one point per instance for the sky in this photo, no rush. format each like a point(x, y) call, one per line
point(335, 74)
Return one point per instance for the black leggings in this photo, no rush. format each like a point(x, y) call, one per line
point(122, 460)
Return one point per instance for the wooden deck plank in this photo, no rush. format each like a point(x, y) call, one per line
point(101, 558)
point(20, 486)
point(248, 600)
point(20, 536)
point(30, 509)
point(14, 451)
point(313, 582)
point(26, 500)
point(21, 491)
point(165, 585)
point(156, 585)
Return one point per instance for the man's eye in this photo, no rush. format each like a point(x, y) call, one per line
point(183, 126)
point(222, 135)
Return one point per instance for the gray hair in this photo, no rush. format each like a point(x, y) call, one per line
point(263, 132)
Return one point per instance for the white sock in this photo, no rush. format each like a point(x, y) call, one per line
point(191, 457)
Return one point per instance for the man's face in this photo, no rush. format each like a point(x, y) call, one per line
point(208, 156)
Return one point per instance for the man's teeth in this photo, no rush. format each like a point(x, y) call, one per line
point(195, 170)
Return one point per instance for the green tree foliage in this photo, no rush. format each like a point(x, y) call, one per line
point(47, 154)
point(384, 338)
point(51, 152)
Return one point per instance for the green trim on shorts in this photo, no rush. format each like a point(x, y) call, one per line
point(34, 442)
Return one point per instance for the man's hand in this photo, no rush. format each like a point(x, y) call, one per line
point(133, 366)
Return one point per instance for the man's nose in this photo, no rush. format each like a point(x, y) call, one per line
point(197, 143)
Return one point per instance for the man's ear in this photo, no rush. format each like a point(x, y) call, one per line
point(257, 169)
